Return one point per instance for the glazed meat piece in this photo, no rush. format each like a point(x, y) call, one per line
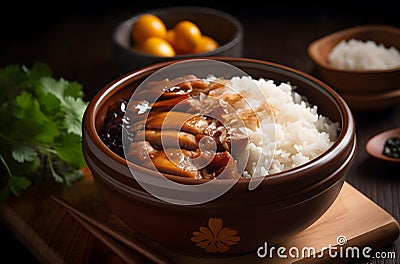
point(187, 122)
point(172, 161)
point(179, 102)
point(168, 138)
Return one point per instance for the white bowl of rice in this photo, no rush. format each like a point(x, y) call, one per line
point(359, 61)
point(262, 195)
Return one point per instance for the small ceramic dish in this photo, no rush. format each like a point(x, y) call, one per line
point(226, 29)
point(375, 145)
point(357, 83)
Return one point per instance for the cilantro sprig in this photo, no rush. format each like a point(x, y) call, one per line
point(40, 128)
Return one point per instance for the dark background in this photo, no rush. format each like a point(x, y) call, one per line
point(75, 39)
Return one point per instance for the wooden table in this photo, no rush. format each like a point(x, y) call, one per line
point(75, 41)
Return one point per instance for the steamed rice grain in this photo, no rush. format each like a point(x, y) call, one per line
point(356, 54)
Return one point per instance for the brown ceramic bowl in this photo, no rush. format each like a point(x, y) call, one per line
point(358, 85)
point(223, 27)
point(283, 204)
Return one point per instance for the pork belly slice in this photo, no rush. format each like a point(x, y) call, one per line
point(171, 161)
point(168, 138)
point(172, 120)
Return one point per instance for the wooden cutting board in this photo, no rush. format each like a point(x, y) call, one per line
point(56, 237)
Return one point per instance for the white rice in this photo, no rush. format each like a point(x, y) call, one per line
point(287, 122)
point(355, 54)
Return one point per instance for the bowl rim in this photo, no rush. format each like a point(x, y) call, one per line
point(349, 32)
point(206, 10)
point(344, 137)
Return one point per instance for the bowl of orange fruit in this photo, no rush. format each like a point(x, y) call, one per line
point(176, 32)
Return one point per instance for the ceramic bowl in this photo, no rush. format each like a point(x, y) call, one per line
point(358, 85)
point(282, 205)
point(228, 33)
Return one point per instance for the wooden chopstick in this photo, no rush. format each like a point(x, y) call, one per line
point(116, 247)
point(112, 238)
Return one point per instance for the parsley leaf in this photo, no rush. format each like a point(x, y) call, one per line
point(22, 153)
point(40, 128)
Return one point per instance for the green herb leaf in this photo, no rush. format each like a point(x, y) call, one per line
point(74, 110)
point(40, 127)
point(22, 153)
point(68, 149)
point(18, 184)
